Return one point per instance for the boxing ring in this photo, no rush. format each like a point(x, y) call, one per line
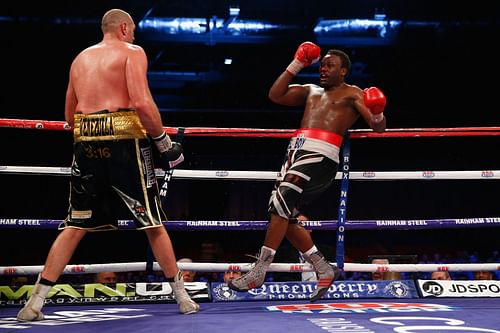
point(413, 316)
point(406, 305)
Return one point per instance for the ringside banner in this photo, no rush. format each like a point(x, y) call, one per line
point(302, 290)
point(97, 293)
point(459, 288)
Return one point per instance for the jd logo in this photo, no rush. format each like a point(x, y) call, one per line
point(433, 288)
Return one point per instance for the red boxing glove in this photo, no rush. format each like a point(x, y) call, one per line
point(375, 100)
point(307, 53)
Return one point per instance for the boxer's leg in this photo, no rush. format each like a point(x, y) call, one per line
point(59, 255)
point(164, 253)
point(301, 239)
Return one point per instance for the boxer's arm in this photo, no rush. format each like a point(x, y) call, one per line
point(140, 96)
point(368, 116)
point(171, 153)
point(70, 104)
point(282, 92)
point(378, 126)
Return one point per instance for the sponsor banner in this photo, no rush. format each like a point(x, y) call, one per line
point(459, 288)
point(98, 293)
point(302, 290)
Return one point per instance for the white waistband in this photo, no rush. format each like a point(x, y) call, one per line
point(327, 149)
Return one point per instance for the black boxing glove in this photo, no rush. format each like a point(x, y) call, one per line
point(171, 153)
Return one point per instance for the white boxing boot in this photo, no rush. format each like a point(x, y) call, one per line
point(32, 310)
point(186, 304)
point(257, 275)
point(325, 272)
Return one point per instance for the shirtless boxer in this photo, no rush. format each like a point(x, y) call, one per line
point(113, 114)
point(313, 155)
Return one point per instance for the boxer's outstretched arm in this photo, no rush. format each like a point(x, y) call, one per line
point(282, 92)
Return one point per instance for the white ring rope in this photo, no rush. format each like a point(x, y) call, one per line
point(245, 267)
point(274, 267)
point(271, 175)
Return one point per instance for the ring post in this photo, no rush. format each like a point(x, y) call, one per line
point(342, 211)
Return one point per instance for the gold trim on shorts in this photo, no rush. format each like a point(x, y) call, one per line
point(81, 214)
point(120, 125)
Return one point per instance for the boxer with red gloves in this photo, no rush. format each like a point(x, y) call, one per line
point(307, 54)
point(330, 110)
point(375, 100)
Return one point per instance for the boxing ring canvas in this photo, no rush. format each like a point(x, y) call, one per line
point(377, 316)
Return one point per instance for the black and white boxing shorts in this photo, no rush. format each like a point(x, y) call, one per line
point(112, 175)
point(309, 169)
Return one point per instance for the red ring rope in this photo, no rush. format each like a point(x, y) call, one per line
point(275, 133)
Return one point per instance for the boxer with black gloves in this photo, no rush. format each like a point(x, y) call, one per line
point(330, 110)
point(113, 115)
point(171, 153)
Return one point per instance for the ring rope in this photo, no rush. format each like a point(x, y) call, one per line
point(276, 133)
point(420, 224)
point(271, 175)
point(252, 132)
point(245, 267)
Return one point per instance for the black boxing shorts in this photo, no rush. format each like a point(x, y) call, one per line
point(112, 174)
point(309, 169)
